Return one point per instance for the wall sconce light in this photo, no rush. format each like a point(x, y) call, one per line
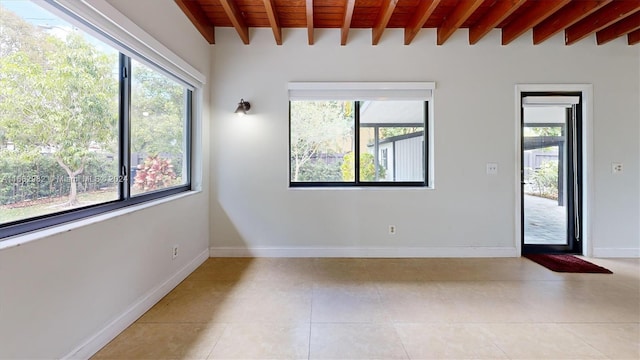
point(243, 107)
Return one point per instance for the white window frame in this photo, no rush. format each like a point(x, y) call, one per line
point(419, 90)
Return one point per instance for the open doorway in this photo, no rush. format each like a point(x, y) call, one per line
point(551, 172)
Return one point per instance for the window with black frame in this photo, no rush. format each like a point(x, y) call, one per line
point(84, 128)
point(358, 142)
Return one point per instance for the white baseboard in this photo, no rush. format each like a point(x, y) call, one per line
point(616, 253)
point(137, 309)
point(422, 252)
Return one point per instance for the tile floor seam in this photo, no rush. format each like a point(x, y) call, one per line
point(604, 356)
point(587, 341)
point(181, 322)
point(404, 346)
point(309, 344)
point(501, 350)
point(226, 326)
point(310, 324)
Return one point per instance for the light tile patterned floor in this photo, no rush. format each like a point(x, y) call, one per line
point(508, 308)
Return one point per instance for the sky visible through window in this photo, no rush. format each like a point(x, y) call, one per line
point(46, 21)
point(34, 14)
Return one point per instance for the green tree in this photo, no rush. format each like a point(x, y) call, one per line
point(17, 35)
point(387, 132)
point(62, 101)
point(157, 113)
point(545, 179)
point(318, 127)
point(320, 171)
point(367, 168)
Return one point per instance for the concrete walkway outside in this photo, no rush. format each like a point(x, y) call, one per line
point(544, 221)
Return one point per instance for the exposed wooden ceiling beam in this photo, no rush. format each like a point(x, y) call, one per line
point(633, 37)
point(346, 23)
point(578, 18)
point(383, 19)
point(422, 14)
point(602, 18)
point(457, 17)
point(622, 27)
point(538, 12)
point(565, 17)
point(309, 5)
point(273, 20)
point(499, 11)
point(198, 18)
point(234, 14)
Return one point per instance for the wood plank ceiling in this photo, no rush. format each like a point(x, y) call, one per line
point(578, 19)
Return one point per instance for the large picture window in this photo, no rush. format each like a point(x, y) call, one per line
point(84, 127)
point(364, 136)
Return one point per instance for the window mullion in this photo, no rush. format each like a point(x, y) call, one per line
point(356, 139)
point(188, 135)
point(425, 143)
point(125, 127)
point(376, 147)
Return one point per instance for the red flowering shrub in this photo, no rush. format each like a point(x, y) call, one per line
point(154, 173)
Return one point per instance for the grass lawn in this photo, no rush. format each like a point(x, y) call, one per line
point(10, 213)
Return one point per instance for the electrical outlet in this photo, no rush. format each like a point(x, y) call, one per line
point(174, 252)
point(392, 229)
point(492, 168)
point(616, 168)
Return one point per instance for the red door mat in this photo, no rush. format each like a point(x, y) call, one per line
point(567, 263)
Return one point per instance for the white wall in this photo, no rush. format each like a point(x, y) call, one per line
point(468, 213)
point(68, 293)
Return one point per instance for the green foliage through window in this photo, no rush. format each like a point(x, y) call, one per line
point(545, 180)
point(61, 144)
point(367, 168)
point(387, 136)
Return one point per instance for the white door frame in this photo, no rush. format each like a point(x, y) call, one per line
point(587, 157)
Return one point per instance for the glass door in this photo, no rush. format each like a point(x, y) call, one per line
point(551, 173)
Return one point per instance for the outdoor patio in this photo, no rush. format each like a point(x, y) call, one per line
point(544, 221)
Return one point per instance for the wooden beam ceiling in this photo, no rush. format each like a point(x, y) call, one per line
point(383, 19)
point(603, 20)
point(346, 23)
point(500, 10)
point(456, 18)
point(629, 24)
point(309, 12)
point(633, 38)
point(198, 18)
point(273, 20)
point(538, 12)
point(234, 14)
point(419, 18)
point(565, 17)
point(597, 21)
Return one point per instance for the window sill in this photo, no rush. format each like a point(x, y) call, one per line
point(362, 188)
point(23, 239)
